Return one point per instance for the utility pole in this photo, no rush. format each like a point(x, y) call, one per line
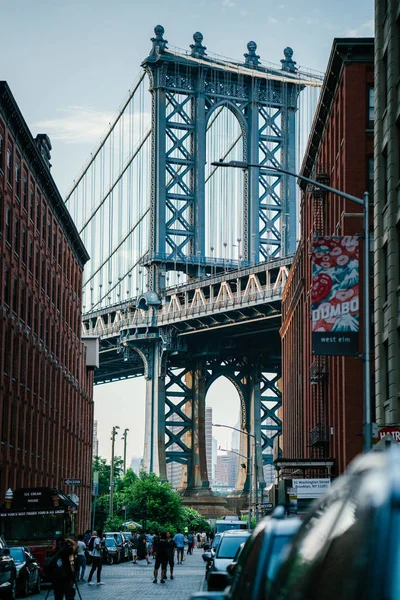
point(113, 434)
point(124, 437)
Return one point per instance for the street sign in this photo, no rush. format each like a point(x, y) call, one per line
point(311, 488)
point(95, 489)
point(72, 481)
point(268, 505)
point(74, 498)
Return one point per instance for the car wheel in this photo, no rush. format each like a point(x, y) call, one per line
point(110, 559)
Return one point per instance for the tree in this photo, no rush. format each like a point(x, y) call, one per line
point(100, 465)
point(194, 521)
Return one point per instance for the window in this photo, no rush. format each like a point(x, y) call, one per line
point(44, 225)
point(23, 246)
point(1, 153)
point(29, 315)
point(41, 334)
point(59, 252)
point(370, 184)
point(6, 287)
point(48, 282)
point(30, 262)
point(385, 176)
point(9, 167)
point(43, 275)
point(16, 236)
point(53, 289)
point(49, 238)
point(17, 181)
point(38, 215)
point(8, 225)
point(22, 304)
point(15, 295)
point(25, 192)
point(385, 272)
point(31, 203)
point(36, 320)
point(54, 243)
point(37, 264)
point(371, 106)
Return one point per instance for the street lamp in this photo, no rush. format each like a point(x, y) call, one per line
point(113, 434)
point(125, 437)
point(250, 470)
point(364, 202)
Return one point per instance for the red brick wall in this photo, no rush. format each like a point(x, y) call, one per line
point(336, 398)
point(46, 405)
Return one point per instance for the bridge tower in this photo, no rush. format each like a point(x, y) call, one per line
point(187, 90)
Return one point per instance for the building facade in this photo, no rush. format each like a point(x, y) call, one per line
point(46, 405)
point(226, 470)
point(209, 443)
point(387, 212)
point(323, 395)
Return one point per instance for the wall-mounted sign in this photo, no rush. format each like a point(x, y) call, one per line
point(335, 295)
point(390, 430)
point(310, 488)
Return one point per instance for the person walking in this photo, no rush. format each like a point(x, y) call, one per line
point(179, 540)
point(95, 550)
point(150, 537)
point(190, 539)
point(142, 553)
point(171, 554)
point(81, 559)
point(134, 546)
point(86, 536)
point(161, 558)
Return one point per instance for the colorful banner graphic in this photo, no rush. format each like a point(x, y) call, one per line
point(335, 295)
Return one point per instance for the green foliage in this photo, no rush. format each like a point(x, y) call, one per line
point(113, 524)
point(194, 521)
point(100, 465)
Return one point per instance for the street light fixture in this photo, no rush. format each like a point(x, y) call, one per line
point(249, 471)
point(113, 434)
point(364, 202)
point(125, 437)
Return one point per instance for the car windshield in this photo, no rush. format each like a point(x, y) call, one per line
point(18, 555)
point(110, 543)
point(215, 541)
point(229, 545)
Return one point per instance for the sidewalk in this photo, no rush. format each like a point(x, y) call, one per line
point(127, 580)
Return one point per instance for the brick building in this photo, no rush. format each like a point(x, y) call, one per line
point(323, 395)
point(46, 405)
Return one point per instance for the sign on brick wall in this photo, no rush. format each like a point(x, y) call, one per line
point(335, 295)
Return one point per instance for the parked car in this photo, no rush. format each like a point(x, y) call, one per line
point(122, 542)
point(209, 551)
point(217, 577)
point(28, 571)
point(112, 553)
point(348, 545)
point(253, 571)
point(8, 573)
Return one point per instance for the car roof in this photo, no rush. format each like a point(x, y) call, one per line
point(234, 533)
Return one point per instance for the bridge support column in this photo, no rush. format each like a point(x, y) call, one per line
point(255, 448)
point(154, 441)
point(197, 477)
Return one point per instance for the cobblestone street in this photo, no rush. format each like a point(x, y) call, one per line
point(126, 580)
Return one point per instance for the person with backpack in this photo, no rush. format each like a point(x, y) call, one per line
point(95, 549)
point(59, 569)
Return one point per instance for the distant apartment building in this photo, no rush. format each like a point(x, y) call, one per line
point(226, 470)
point(214, 458)
point(95, 440)
point(137, 464)
point(46, 388)
point(387, 212)
point(323, 395)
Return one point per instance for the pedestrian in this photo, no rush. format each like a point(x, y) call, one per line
point(142, 553)
point(150, 537)
point(198, 537)
point(161, 558)
point(95, 549)
point(81, 559)
point(134, 546)
point(179, 540)
point(171, 553)
point(190, 541)
point(60, 569)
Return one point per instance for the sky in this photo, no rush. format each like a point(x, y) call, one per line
point(70, 65)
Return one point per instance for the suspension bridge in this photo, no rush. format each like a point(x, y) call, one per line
point(188, 261)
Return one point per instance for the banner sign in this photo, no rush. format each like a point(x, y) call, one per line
point(311, 488)
point(335, 295)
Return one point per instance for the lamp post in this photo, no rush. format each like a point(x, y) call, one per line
point(364, 202)
point(125, 437)
point(250, 469)
point(113, 434)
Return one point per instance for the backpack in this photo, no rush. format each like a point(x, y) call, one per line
point(91, 543)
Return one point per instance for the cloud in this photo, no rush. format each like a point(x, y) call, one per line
point(244, 12)
point(82, 124)
point(272, 20)
point(228, 3)
point(352, 33)
point(369, 26)
point(312, 21)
